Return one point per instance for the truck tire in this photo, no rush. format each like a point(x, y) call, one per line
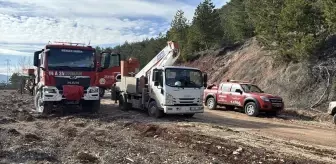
point(92, 106)
point(101, 92)
point(334, 119)
point(154, 111)
point(41, 107)
point(114, 94)
point(251, 109)
point(123, 105)
point(211, 103)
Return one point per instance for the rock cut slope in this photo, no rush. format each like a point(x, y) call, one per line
point(299, 84)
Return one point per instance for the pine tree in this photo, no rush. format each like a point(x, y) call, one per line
point(329, 10)
point(179, 31)
point(299, 27)
point(207, 24)
point(235, 22)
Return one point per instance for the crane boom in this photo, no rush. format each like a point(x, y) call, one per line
point(166, 57)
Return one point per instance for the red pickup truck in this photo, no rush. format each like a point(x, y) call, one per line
point(243, 95)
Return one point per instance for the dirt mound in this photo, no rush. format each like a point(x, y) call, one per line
point(219, 147)
point(15, 107)
point(300, 84)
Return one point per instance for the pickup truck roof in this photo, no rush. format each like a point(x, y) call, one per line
point(214, 86)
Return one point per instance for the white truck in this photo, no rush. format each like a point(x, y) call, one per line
point(161, 88)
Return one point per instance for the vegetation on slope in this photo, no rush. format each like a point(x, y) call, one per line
point(296, 30)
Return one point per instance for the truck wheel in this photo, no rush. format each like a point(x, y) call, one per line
point(92, 106)
point(41, 107)
point(123, 105)
point(211, 103)
point(101, 92)
point(334, 119)
point(251, 109)
point(154, 111)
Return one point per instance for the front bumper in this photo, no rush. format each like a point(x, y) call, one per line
point(268, 106)
point(57, 95)
point(183, 109)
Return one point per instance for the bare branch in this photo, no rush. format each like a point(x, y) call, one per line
point(326, 89)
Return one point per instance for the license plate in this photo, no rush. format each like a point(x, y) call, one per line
point(277, 105)
point(72, 102)
point(193, 108)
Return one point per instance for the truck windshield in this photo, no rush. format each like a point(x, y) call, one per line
point(59, 58)
point(187, 78)
point(248, 88)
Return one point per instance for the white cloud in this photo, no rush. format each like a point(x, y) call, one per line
point(37, 30)
point(13, 52)
point(92, 8)
point(26, 23)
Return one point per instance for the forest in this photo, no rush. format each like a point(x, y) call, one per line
point(295, 29)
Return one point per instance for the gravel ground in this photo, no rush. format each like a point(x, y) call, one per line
point(113, 136)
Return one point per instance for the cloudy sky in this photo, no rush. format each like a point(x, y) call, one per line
point(27, 25)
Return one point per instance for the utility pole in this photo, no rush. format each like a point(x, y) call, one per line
point(7, 62)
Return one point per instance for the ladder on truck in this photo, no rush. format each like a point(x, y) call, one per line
point(166, 57)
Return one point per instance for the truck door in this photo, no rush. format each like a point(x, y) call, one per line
point(157, 92)
point(236, 98)
point(111, 67)
point(224, 94)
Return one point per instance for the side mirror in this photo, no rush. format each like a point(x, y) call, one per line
point(36, 58)
point(239, 91)
point(156, 83)
point(100, 69)
point(118, 78)
point(205, 79)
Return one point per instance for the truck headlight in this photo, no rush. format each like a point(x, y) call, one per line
point(200, 101)
point(169, 99)
point(49, 90)
point(265, 98)
point(94, 90)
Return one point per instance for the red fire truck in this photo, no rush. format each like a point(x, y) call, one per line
point(110, 68)
point(66, 73)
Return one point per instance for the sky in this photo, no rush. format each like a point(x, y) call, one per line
point(27, 25)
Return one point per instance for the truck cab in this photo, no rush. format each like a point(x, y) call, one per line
point(108, 70)
point(243, 95)
point(159, 87)
point(178, 89)
point(66, 74)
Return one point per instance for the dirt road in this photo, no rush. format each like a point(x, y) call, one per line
point(273, 127)
point(309, 139)
point(113, 136)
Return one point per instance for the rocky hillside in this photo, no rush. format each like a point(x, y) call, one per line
point(301, 85)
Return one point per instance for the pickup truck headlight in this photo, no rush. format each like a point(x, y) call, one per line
point(169, 99)
point(265, 98)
